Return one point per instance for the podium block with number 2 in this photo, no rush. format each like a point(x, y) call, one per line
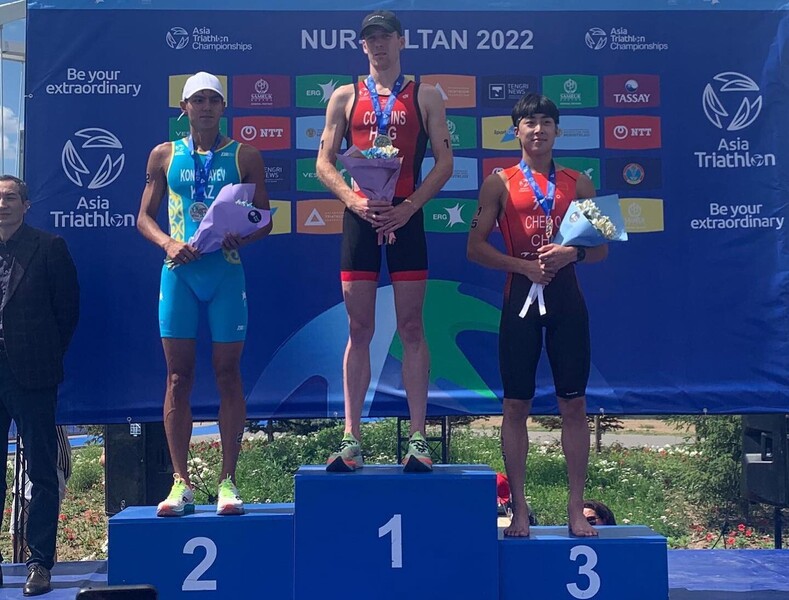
point(623, 562)
point(385, 534)
point(204, 555)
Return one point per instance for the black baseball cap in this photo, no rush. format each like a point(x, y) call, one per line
point(384, 19)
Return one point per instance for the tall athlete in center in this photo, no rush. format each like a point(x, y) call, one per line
point(385, 109)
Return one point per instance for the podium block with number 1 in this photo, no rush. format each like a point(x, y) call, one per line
point(385, 534)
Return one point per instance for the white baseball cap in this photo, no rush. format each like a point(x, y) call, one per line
point(202, 81)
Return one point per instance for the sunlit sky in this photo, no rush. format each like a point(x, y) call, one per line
point(12, 93)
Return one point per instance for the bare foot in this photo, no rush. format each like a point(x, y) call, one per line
point(519, 526)
point(580, 527)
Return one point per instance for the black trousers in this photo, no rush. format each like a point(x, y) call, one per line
point(34, 414)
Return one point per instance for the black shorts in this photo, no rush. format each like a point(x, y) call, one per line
point(361, 254)
point(567, 343)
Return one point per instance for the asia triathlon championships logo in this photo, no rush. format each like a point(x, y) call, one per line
point(177, 38)
point(596, 38)
point(731, 93)
point(93, 158)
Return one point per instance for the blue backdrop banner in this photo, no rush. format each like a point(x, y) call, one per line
point(683, 116)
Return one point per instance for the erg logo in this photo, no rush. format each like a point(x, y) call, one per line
point(177, 38)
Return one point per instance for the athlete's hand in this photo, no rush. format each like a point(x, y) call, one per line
point(180, 253)
point(537, 272)
point(393, 218)
point(233, 241)
point(369, 210)
point(556, 257)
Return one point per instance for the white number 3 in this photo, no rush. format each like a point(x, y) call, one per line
point(587, 570)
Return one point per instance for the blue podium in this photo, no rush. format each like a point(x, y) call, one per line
point(385, 534)
point(623, 562)
point(219, 557)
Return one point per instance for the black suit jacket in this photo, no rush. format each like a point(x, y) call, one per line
point(41, 307)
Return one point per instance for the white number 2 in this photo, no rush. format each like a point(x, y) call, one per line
point(394, 526)
point(587, 570)
point(193, 583)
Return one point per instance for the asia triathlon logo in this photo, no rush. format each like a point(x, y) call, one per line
point(93, 158)
point(732, 101)
point(596, 38)
point(177, 38)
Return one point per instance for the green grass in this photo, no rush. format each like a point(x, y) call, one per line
point(658, 488)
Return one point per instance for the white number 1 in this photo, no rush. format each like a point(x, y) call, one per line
point(394, 526)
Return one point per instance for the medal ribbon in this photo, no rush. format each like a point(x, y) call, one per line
point(544, 200)
point(202, 170)
point(383, 116)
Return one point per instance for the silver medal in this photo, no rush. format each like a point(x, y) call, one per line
point(382, 141)
point(197, 211)
point(549, 228)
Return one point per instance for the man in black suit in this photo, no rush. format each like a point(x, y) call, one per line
point(39, 308)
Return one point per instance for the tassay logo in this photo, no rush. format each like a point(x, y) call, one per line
point(731, 92)
point(97, 156)
point(632, 91)
point(177, 38)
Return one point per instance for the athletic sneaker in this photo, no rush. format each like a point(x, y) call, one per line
point(348, 457)
point(417, 459)
point(228, 500)
point(180, 502)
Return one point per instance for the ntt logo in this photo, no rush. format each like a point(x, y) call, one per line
point(596, 38)
point(177, 38)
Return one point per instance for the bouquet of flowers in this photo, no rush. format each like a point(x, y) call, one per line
point(375, 172)
point(588, 222)
point(231, 211)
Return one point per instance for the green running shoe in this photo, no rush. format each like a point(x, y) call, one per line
point(348, 458)
point(180, 502)
point(417, 459)
point(228, 500)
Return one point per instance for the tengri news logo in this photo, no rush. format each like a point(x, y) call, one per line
point(732, 92)
point(95, 161)
point(177, 38)
point(596, 38)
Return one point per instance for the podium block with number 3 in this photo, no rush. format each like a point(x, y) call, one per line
point(204, 555)
point(623, 562)
point(385, 534)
